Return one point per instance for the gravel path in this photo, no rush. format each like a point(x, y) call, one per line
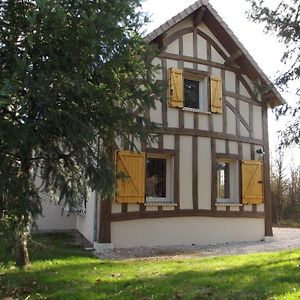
point(284, 239)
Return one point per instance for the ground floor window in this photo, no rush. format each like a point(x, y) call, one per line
point(159, 183)
point(227, 181)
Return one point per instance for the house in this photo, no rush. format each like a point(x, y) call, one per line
point(206, 178)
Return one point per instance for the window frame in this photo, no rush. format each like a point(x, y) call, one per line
point(169, 157)
point(197, 75)
point(234, 179)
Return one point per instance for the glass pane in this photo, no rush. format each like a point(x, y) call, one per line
point(156, 177)
point(203, 100)
point(191, 93)
point(223, 180)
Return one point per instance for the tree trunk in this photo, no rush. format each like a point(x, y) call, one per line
point(22, 257)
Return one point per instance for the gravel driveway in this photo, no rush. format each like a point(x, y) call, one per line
point(283, 239)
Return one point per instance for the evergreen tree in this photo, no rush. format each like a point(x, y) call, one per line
point(75, 75)
point(284, 22)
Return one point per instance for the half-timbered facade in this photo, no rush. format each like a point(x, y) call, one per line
point(206, 177)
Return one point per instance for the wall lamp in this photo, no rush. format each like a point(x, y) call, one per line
point(260, 151)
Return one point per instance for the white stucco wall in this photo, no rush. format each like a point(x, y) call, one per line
point(185, 23)
point(85, 223)
point(216, 57)
point(188, 120)
point(257, 122)
point(220, 146)
point(217, 122)
point(188, 44)
point(229, 81)
point(231, 121)
point(156, 114)
point(173, 47)
point(203, 122)
point(168, 141)
point(52, 218)
point(173, 117)
point(185, 172)
point(244, 110)
point(204, 176)
point(205, 29)
point(201, 47)
point(185, 230)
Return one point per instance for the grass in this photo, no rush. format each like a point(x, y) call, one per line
point(62, 270)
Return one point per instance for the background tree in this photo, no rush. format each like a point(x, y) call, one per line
point(285, 190)
point(279, 185)
point(294, 187)
point(284, 22)
point(74, 74)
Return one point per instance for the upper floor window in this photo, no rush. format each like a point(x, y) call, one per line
point(194, 90)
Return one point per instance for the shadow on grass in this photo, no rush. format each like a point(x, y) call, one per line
point(44, 246)
point(83, 277)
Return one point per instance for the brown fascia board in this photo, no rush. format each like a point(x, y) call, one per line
point(229, 41)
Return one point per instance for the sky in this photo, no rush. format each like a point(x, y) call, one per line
point(265, 49)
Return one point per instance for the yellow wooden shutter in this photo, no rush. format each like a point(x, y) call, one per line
point(216, 94)
point(132, 188)
point(175, 87)
point(252, 182)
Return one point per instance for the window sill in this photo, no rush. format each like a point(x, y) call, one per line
point(196, 110)
point(228, 204)
point(165, 204)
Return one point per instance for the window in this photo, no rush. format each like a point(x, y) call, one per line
point(191, 93)
point(195, 91)
point(156, 178)
point(159, 178)
point(227, 181)
point(223, 183)
point(143, 178)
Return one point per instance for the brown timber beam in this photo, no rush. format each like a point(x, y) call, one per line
point(233, 57)
point(159, 41)
point(184, 213)
point(104, 224)
point(198, 15)
point(266, 161)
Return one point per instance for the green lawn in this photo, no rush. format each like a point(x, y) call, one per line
point(62, 270)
